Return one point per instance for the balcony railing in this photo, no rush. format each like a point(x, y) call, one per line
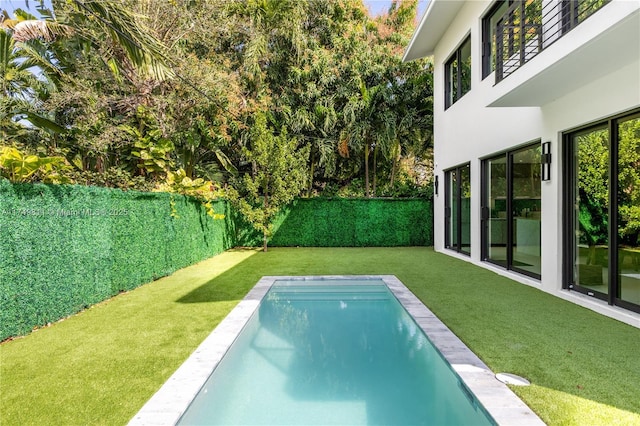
point(529, 26)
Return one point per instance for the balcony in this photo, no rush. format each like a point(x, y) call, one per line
point(558, 48)
point(529, 26)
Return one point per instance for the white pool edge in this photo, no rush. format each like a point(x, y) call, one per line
point(168, 404)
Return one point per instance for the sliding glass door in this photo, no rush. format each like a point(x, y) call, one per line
point(602, 250)
point(526, 190)
point(495, 221)
point(458, 209)
point(511, 210)
point(628, 207)
point(591, 210)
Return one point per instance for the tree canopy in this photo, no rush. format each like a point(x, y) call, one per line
point(128, 91)
point(261, 100)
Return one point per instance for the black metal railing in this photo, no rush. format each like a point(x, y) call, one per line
point(529, 26)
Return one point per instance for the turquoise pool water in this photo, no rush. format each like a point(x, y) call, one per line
point(333, 352)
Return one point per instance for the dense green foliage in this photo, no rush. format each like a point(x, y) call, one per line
point(26, 168)
point(130, 90)
point(101, 366)
point(337, 222)
point(132, 93)
point(64, 248)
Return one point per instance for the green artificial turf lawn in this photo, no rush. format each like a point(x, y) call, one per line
point(102, 365)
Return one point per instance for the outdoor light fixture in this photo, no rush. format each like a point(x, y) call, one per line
point(545, 161)
point(435, 185)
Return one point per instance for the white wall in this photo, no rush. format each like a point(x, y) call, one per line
point(469, 131)
point(610, 95)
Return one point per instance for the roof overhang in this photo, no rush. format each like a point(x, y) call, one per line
point(432, 26)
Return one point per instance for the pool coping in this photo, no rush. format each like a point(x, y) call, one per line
point(168, 404)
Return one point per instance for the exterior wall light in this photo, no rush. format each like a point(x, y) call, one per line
point(435, 185)
point(545, 161)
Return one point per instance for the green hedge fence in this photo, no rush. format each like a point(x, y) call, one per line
point(359, 222)
point(64, 248)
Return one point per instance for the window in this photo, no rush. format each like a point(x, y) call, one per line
point(458, 73)
point(518, 36)
point(458, 209)
point(602, 237)
point(489, 24)
point(575, 11)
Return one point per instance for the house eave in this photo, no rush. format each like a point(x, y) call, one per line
point(435, 22)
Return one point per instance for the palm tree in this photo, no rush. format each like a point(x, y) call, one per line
point(371, 126)
point(16, 79)
point(21, 88)
point(130, 43)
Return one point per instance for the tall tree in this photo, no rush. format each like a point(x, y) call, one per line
point(278, 176)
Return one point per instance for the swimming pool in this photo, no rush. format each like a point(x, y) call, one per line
point(333, 350)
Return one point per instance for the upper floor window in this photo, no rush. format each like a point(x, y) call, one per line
point(457, 72)
point(575, 11)
point(489, 25)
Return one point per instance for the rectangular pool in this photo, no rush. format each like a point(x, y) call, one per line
point(333, 350)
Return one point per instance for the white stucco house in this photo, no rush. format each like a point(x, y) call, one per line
point(537, 143)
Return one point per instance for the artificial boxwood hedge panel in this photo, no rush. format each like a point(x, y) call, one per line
point(43, 252)
point(193, 240)
point(63, 248)
point(336, 222)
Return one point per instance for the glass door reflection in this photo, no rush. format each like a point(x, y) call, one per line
point(458, 209)
point(465, 209)
point(591, 217)
point(452, 198)
point(628, 199)
point(525, 206)
point(496, 233)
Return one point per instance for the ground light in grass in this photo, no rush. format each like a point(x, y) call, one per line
point(333, 350)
